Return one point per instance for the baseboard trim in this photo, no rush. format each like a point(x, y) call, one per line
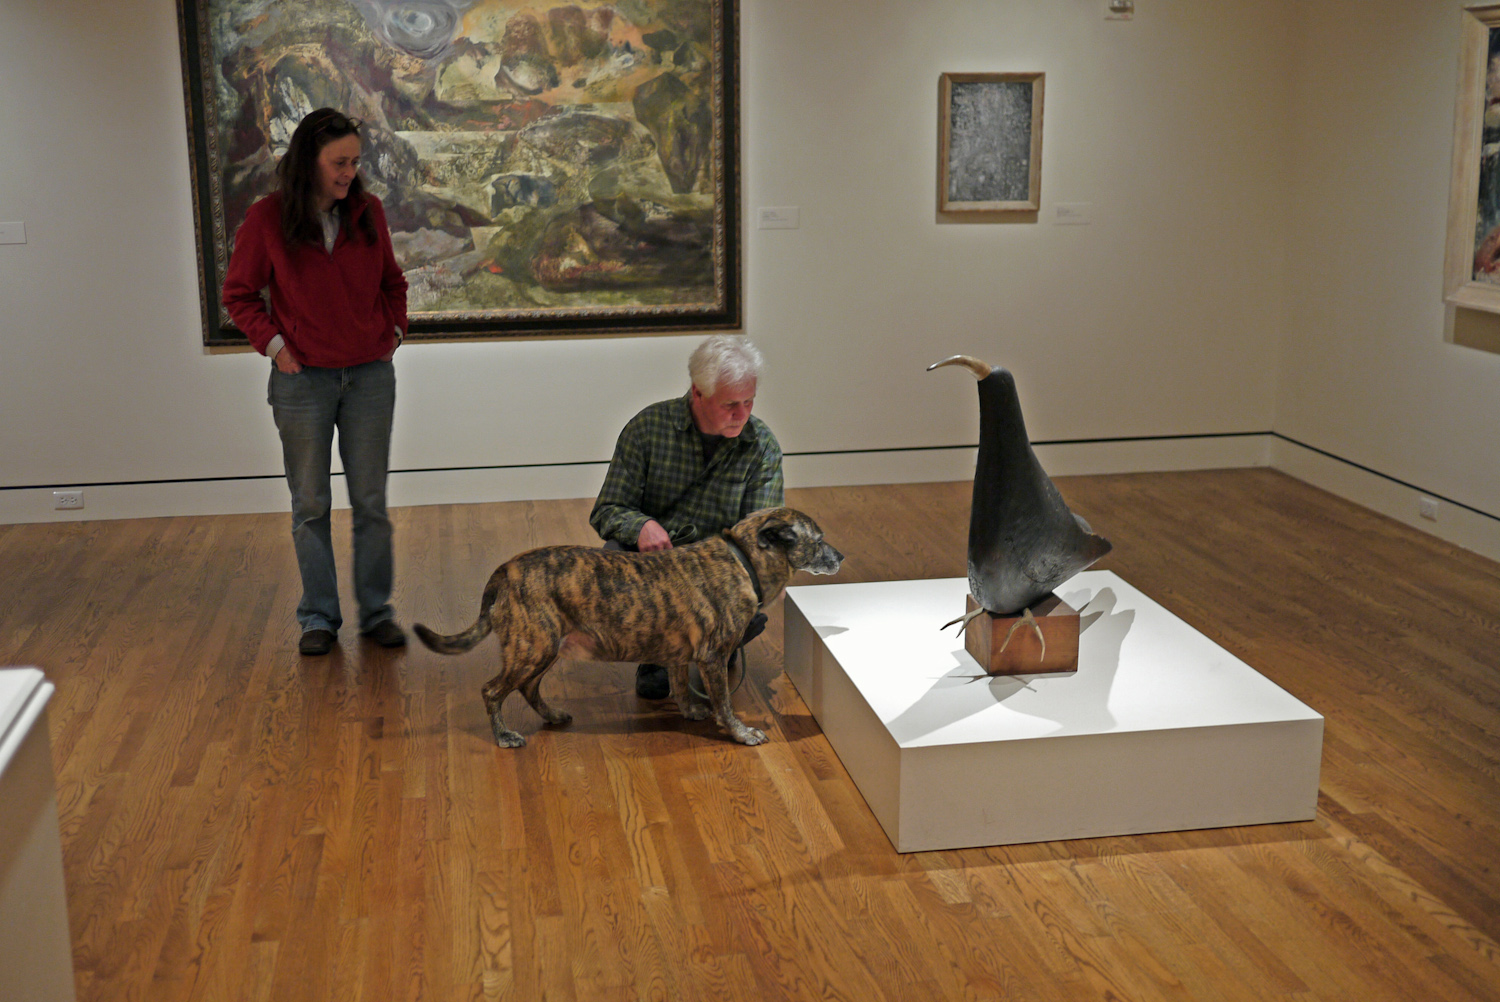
point(1457, 523)
point(1060, 458)
point(832, 468)
point(170, 498)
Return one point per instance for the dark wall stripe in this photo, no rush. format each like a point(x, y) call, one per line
point(811, 452)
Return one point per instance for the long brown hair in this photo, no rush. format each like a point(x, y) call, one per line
point(298, 171)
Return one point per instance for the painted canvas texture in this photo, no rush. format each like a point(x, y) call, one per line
point(534, 159)
point(1487, 219)
point(989, 153)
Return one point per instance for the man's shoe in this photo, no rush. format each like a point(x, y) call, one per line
point(387, 634)
point(316, 642)
point(651, 682)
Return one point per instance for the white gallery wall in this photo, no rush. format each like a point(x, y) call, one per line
point(1370, 371)
point(1265, 188)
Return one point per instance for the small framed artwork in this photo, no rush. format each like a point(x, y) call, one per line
point(1471, 272)
point(990, 142)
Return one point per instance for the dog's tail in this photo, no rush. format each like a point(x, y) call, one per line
point(457, 643)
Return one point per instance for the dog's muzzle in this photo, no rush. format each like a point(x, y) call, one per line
point(828, 562)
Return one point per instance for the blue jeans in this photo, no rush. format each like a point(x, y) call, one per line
point(359, 401)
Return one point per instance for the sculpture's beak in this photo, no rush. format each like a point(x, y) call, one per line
point(974, 365)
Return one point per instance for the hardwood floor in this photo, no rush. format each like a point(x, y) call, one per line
point(241, 823)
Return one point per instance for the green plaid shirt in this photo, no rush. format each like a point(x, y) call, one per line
point(658, 472)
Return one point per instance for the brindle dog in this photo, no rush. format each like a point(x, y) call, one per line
point(685, 606)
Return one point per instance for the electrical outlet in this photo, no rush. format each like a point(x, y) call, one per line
point(1427, 508)
point(67, 499)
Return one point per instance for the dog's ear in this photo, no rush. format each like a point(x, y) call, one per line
point(776, 533)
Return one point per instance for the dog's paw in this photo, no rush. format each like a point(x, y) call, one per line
point(694, 710)
point(559, 718)
point(504, 737)
point(750, 736)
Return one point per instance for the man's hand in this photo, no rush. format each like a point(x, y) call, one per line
point(653, 537)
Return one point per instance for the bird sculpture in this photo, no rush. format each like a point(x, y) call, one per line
point(1024, 541)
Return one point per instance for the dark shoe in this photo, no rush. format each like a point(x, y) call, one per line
point(755, 628)
point(386, 634)
point(651, 682)
point(316, 642)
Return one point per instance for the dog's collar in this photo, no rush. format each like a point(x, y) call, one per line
point(744, 559)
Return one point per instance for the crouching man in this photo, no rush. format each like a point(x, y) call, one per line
point(688, 467)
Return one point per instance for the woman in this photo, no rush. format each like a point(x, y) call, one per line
point(337, 314)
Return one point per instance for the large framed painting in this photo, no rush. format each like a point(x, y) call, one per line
point(990, 142)
point(548, 169)
point(1471, 269)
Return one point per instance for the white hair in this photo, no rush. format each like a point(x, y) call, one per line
point(727, 358)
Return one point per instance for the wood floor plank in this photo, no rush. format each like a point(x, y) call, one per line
point(243, 823)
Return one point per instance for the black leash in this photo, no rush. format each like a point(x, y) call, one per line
point(760, 599)
point(744, 559)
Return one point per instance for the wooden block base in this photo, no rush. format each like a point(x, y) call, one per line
point(1008, 645)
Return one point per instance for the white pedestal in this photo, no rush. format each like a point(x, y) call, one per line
point(1159, 729)
point(36, 953)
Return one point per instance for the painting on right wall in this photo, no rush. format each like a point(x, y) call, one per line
point(1471, 272)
